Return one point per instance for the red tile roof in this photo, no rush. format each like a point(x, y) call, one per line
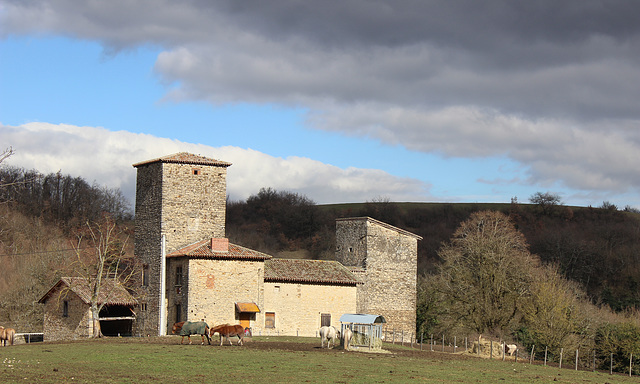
point(202, 249)
point(185, 158)
point(111, 293)
point(308, 271)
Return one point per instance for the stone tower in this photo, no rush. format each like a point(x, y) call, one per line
point(180, 199)
point(385, 258)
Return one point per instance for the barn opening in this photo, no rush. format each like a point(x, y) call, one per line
point(116, 320)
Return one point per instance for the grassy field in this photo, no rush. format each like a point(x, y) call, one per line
point(262, 360)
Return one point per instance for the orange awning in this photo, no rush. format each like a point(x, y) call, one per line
point(247, 307)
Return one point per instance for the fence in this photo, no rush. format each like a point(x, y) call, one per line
point(495, 350)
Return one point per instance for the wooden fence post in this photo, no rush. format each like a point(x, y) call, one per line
point(630, 362)
point(545, 356)
point(561, 350)
point(594, 360)
point(455, 343)
point(576, 359)
point(421, 337)
point(443, 342)
point(431, 343)
point(532, 357)
point(611, 365)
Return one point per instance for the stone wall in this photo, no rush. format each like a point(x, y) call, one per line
point(214, 286)
point(298, 307)
point(74, 326)
point(388, 257)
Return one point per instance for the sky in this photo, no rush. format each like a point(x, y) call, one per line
point(340, 101)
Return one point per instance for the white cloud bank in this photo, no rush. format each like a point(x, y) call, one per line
point(106, 157)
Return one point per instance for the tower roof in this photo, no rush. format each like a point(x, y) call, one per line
point(185, 158)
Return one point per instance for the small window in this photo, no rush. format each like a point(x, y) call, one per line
point(145, 275)
point(196, 172)
point(325, 319)
point(276, 288)
point(178, 276)
point(65, 308)
point(143, 307)
point(270, 320)
point(178, 313)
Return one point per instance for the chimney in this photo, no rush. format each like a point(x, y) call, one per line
point(219, 244)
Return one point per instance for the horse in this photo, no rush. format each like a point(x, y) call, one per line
point(227, 331)
point(188, 328)
point(509, 348)
point(7, 335)
point(330, 334)
point(346, 338)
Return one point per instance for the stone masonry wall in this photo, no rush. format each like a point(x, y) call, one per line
point(74, 326)
point(389, 258)
point(214, 286)
point(298, 307)
point(148, 241)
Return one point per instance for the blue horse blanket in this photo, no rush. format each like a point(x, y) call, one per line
point(193, 328)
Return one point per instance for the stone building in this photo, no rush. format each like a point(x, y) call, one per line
point(67, 312)
point(385, 259)
point(192, 272)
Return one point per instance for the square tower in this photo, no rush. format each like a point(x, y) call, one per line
point(180, 199)
point(385, 258)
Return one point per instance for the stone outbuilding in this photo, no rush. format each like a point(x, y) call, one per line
point(67, 312)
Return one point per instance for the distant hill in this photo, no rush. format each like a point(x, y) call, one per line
point(597, 247)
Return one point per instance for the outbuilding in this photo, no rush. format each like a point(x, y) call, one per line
point(67, 311)
point(366, 329)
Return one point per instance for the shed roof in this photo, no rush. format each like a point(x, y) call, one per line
point(111, 292)
point(308, 271)
point(185, 158)
point(361, 318)
point(203, 249)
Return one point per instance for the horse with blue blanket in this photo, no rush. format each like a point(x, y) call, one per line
point(188, 328)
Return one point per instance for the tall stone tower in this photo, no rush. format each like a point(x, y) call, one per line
point(180, 199)
point(385, 258)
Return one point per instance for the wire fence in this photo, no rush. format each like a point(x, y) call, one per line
point(577, 360)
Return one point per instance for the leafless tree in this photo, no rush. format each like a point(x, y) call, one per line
point(100, 250)
point(486, 272)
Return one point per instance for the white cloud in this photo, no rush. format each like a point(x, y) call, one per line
point(106, 157)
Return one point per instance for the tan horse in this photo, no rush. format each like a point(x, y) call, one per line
point(227, 331)
point(7, 335)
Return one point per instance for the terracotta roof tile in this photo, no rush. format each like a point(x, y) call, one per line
point(111, 293)
point(202, 249)
point(308, 271)
point(185, 158)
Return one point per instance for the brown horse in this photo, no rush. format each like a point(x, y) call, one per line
point(7, 335)
point(227, 331)
point(188, 328)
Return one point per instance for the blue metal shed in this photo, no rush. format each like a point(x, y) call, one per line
point(367, 329)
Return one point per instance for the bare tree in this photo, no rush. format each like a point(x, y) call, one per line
point(100, 250)
point(547, 201)
point(486, 272)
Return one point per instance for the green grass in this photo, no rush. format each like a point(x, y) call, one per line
point(164, 360)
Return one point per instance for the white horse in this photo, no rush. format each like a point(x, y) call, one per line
point(509, 348)
point(330, 334)
point(346, 338)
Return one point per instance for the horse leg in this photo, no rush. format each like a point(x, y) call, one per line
point(182, 340)
point(189, 339)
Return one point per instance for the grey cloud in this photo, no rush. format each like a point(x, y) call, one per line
point(551, 84)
